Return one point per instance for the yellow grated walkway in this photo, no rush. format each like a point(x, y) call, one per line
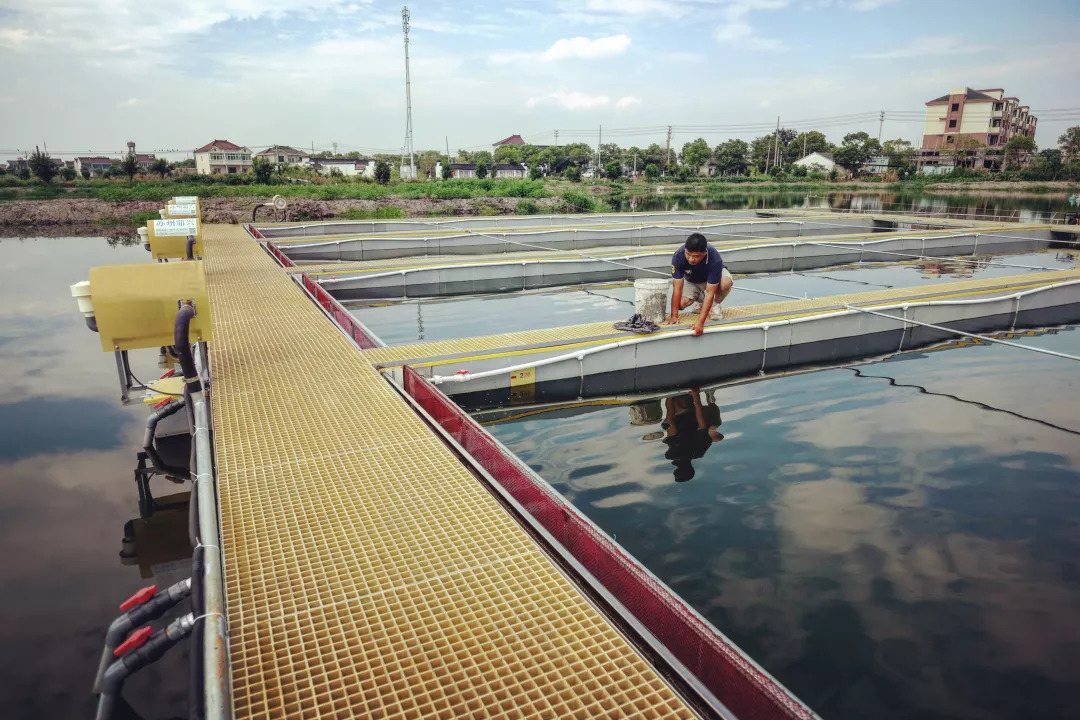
point(367, 573)
point(602, 332)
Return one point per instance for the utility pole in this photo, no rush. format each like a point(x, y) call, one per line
point(447, 137)
point(804, 144)
point(556, 138)
point(599, 142)
point(335, 148)
point(667, 149)
point(408, 96)
point(881, 123)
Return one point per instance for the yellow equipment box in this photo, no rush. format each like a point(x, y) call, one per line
point(136, 305)
point(168, 237)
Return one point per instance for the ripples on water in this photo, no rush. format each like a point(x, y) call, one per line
point(884, 550)
point(397, 323)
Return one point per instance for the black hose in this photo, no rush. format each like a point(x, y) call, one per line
point(157, 416)
point(190, 247)
point(183, 347)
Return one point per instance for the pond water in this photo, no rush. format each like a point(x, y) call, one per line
point(446, 318)
point(67, 453)
point(899, 540)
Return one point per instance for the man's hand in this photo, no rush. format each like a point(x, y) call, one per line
point(699, 327)
point(672, 319)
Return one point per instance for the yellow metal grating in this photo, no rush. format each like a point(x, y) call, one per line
point(553, 337)
point(367, 573)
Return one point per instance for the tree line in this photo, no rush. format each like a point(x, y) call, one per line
point(770, 153)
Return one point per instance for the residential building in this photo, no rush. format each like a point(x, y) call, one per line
point(509, 170)
point(18, 164)
point(145, 160)
point(348, 167)
point(820, 161)
point(986, 117)
point(220, 157)
point(512, 140)
point(284, 155)
point(96, 165)
point(463, 170)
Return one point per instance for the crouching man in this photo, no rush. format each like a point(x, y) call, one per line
point(700, 276)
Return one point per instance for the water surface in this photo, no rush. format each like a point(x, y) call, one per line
point(897, 540)
point(444, 318)
point(67, 453)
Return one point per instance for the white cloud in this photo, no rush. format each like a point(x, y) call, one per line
point(928, 46)
point(584, 48)
point(570, 100)
point(736, 31)
point(627, 101)
point(130, 102)
point(867, 5)
point(638, 7)
point(13, 37)
point(580, 48)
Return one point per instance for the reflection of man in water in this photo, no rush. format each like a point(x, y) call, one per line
point(691, 429)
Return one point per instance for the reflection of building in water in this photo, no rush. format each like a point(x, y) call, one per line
point(691, 427)
point(947, 266)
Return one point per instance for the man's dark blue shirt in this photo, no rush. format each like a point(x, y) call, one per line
point(708, 270)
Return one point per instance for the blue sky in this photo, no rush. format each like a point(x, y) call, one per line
point(85, 76)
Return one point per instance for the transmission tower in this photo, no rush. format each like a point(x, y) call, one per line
point(408, 94)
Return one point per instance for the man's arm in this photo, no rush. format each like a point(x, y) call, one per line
point(706, 306)
point(676, 300)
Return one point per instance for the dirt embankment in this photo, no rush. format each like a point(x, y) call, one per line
point(93, 216)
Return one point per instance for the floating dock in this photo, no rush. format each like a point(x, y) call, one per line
point(383, 556)
point(368, 572)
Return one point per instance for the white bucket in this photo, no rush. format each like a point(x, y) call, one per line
point(650, 298)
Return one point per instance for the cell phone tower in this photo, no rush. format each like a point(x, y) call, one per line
point(408, 94)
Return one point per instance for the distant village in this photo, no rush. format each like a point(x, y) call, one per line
point(963, 128)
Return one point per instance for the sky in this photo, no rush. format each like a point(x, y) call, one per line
point(81, 76)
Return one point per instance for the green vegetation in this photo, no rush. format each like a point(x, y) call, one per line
point(527, 207)
point(43, 166)
point(385, 213)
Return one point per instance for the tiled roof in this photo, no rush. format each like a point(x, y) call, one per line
point(220, 145)
point(512, 140)
point(282, 150)
point(969, 96)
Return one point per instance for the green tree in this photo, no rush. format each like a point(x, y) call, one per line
point(805, 143)
point(24, 173)
point(507, 154)
point(264, 170)
point(68, 173)
point(733, 157)
point(382, 171)
point(481, 170)
point(1070, 143)
point(1019, 146)
point(653, 154)
point(3, 171)
point(43, 165)
point(130, 165)
point(161, 167)
point(530, 154)
point(579, 154)
point(447, 171)
point(857, 149)
point(85, 173)
point(610, 151)
point(613, 170)
point(573, 173)
point(695, 154)
point(761, 151)
point(534, 172)
point(652, 171)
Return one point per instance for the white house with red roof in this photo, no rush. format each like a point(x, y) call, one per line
point(222, 157)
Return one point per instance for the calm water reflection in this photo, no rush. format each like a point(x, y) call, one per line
point(67, 451)
point(895, 543)
point(447, 318)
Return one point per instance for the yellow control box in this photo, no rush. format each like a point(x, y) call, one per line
point(168, 237)
point(136, 305)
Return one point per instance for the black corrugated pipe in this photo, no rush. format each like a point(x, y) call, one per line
point(183, 346)
point(190, 247)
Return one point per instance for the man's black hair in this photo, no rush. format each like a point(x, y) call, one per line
point(697, 243)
